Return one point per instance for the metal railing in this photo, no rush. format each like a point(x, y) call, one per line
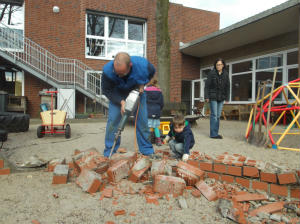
point(69, 72)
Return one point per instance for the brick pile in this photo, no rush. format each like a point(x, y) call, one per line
point(248, 190)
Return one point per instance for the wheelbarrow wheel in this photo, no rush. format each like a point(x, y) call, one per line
point(39, 131)
point(68, 131)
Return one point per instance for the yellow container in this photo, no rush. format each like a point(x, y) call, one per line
point(164, 127)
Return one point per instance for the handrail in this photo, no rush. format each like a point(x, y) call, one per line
point(60, 70)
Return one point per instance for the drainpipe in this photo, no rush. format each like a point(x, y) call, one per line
point(299, 42)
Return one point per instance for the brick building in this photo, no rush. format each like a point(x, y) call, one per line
point(91, 32)
point(252, 48)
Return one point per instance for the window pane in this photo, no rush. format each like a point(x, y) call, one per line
point(196, 89)
point(94, 82)
point(292, 58)
point(242, 67)
point(135, 31)
point(242, 87)
point(95, 47)
point(135, 49)
point(292, 75)
point(269, 62)
point(205, 73)
point(268, 75)
point(116, 28)
point(95, 25)
point(113, 47)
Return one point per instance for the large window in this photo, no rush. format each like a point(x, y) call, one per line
point(246, 75)
point(107, 35)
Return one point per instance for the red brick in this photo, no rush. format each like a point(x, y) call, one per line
point(160, 167)
point(270, 208)
point(243, 181)
point(234, 170)
point(119, 212)
point(168, 185)
point(1, 163)
point(194, 163)
point(250, 162)
point(295, 193)
point(287, 178)
point(4, 171)
point(59, 179)
point(279, 190)
point(268, 177)
point(219, 168)
point(206, 190)
point(213, 175)
point(118, 171)
point(152, 199)
point(199, 173)
point(135, 176)
point(249, 197)
point(107, 193)
point(139, 169)
point(130, 156)
point(89, 181)
point(250, 171)
point(189, 173)
point(227, 178)
point(196, 193)
point(207, 166)
point(259, 185)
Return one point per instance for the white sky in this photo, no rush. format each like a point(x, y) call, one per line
point(231, 11)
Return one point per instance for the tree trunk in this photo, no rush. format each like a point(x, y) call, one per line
point(163, 47)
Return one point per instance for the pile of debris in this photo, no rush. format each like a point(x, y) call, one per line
point(247, 190)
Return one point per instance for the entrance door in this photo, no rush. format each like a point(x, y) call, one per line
point(197, 93)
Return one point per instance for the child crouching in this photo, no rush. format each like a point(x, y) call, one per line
point(180, 138)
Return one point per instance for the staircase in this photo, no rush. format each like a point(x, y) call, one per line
point(58, 72)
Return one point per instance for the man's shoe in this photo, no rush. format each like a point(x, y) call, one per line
point(217, 137)
point(158, 141)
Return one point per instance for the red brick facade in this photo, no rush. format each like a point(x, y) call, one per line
point(63, 34)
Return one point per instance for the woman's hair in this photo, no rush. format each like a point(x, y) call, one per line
point(223, 62)
point(178, 119)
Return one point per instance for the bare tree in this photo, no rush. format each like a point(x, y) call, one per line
point(163, 47)
point(9, 10)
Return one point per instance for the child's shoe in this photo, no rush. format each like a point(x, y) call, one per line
point(158, 141)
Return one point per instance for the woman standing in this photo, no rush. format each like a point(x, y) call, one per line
point(217, 89)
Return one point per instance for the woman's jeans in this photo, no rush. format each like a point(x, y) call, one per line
point(215, 114)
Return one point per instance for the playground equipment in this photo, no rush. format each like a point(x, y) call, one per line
point(292, 106)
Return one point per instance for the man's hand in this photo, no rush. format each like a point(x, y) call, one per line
point(141, 88)
point(122, 107)
point(185, 157)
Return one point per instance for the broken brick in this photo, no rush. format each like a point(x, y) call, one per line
point(129, 156)
point(249, 197)
point(196, 193)
point(189, 173)
point(107, 193)
point(1, 163)
point(89, 181)
point(119, 212)
point(168, 185)
point(4, 171)
point(118, 171)
point(270, 208)
point(160, 168)
point(60, 174)
point(206, 190)
point(139, 169)
point(152, 199)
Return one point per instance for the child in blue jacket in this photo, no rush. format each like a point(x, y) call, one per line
point(180, 137)
point(155, 104)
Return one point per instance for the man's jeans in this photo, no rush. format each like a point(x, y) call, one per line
point(215, 114)
point(176, 148)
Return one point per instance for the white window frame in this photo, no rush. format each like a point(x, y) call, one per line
point(284, 68)
point(106, 38)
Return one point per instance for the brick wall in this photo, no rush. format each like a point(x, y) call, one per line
point(32, 87)
point(63, 33)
